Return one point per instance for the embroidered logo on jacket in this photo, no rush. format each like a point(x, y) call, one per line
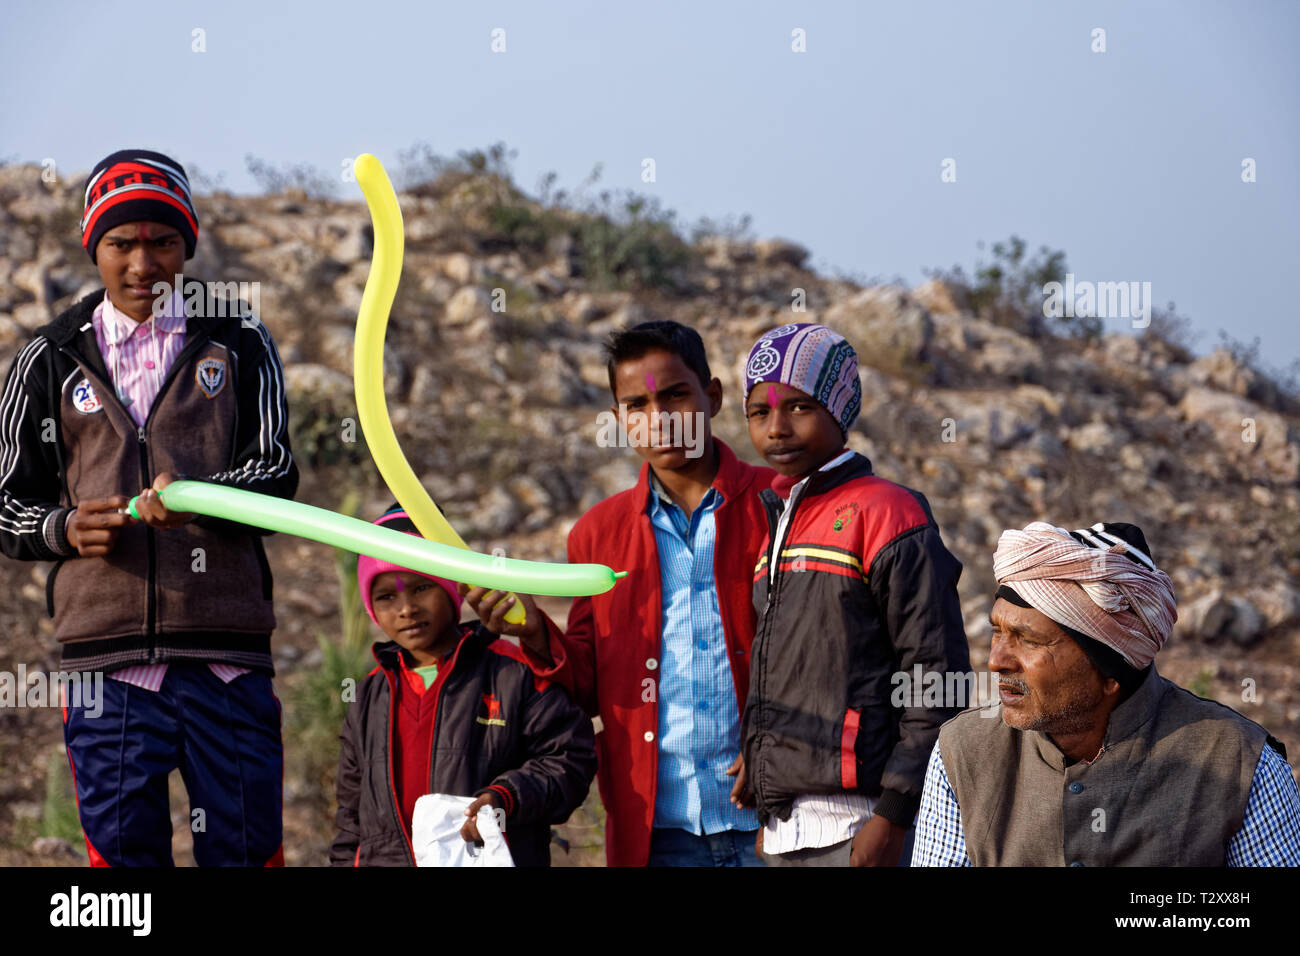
point(493, 717)
point(844, 514)
point(211, 376)
point(84, 398)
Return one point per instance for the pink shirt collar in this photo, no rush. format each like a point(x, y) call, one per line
point(118, 327)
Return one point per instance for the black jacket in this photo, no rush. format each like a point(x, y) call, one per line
point(864, 590)
point(538, 747)
point(220, 416)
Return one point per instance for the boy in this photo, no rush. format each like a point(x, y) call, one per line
point(450, 709)
point(855, 585)
point(663, 657)
point(122, 391)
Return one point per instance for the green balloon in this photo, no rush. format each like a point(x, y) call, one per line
point(353, 534)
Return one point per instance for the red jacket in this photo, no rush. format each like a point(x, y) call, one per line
point(609, 659)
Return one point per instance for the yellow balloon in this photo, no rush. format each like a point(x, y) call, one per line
point(368, 361)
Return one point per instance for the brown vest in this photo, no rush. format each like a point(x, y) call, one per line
point(157, 578)
point(1169, 788)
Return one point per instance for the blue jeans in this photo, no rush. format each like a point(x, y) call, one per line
point(671, 847)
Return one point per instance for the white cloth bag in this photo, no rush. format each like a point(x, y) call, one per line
point(435, 834)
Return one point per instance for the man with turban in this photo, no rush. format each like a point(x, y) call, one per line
point(1097, 760)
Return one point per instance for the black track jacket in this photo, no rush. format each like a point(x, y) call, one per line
point(537, 746)
point(864, 590)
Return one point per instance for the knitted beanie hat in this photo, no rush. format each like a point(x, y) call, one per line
point(136, 185)
point(369, 568)
point(813, 359)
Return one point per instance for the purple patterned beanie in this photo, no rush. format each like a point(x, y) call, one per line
point(814, 360)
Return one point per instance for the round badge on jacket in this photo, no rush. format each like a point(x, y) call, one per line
point(84, 398)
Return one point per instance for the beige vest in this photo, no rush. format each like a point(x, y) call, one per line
point(1169, 788)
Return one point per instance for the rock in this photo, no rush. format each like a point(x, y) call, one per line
point(721, 253)
point(775, 251)
point(1124, 351)
point(618, 475)
point(54, 847)
point(426, 388)
point(1246, 625)
point(462, 268)
point(312, 379)
point(884, 325)
point(11, 333)
point(1222, 371)
point(547, 281)
point(507, 265)
point(497, 513)
point(556, 382)
point(581, 308)
point(439, 287)
point(355, 245)
point(875, 389)
point(37, 206)
point(16, 243)
point(1279, 604)
point(293, 262)
point(943, 477)
point(243, 235)
point(32, 315)
point(995, 421)
point(335, 344)
point(469, 303)
point(34, 277)
point(937, 296)
point(1245, 430)
point(1097, 438)
point(1215, 616)
point(1022, 360)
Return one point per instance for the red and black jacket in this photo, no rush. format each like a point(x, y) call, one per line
point(533, 746)
point(864, 589)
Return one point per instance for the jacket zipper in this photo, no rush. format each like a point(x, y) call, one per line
point(191, 347)
point(392, 777)
point(770, 606)
point(151, 584)
point(433, 737)
point(151, 595)
point(440, 685)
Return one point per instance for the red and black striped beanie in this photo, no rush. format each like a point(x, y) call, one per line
point(136, 185)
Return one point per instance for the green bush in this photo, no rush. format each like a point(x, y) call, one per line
point(316, 432)
point(1008, 289)
point(59, 810)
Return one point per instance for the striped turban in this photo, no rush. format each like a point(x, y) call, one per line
point(1100, 582)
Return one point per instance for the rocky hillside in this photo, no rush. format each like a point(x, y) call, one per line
point(497, 411)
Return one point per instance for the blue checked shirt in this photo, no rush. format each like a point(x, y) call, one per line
point(699, 724)
point(1269, 834)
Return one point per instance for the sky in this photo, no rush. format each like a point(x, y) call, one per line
point(1128, 159)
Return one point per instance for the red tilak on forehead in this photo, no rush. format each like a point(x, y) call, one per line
point(144, 230)
point(650, 383)
point(773, 396)
point(400, 585)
